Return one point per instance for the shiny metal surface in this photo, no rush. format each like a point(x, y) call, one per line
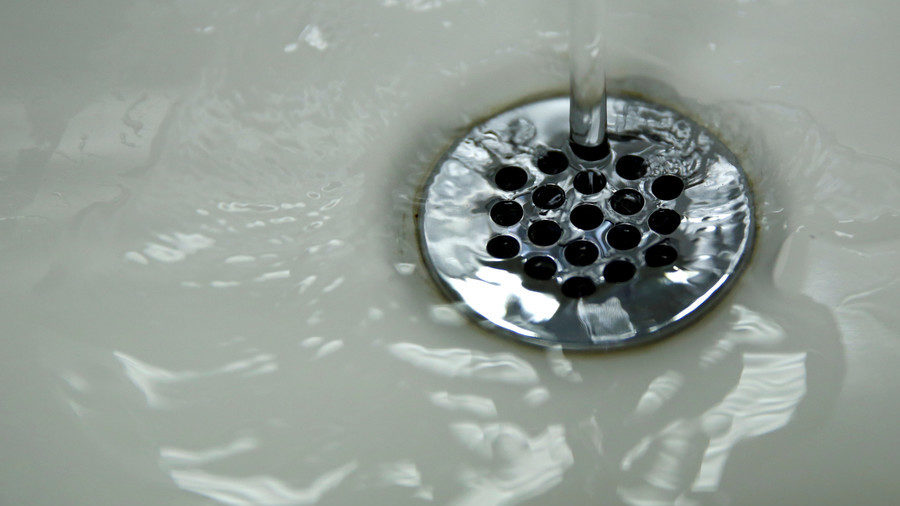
point(587, 78)
point(713, 240)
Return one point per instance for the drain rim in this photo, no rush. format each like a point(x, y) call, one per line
point(510, 329)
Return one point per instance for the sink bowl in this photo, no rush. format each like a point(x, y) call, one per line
point(212, 291)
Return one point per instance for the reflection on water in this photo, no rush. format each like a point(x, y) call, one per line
point(561, 366)
point(659, 392)
point(462, 363)
point(258, 489)
point(767, 394)
point(770, 388)
point(477, 405)
point(521, 466)
point(404, 473)
point(152, 381)
point(211, 291)
point(177, 457)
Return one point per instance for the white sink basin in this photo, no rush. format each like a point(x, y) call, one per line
point(211, 290)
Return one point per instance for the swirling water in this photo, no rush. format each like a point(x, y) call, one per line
point(212, 292)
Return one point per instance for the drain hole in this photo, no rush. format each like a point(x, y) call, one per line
point(578, 287)
point(581, 253)
point(506, 213)
point(544, 233)
point(627, 202)
point(660, 255)
point(631, 167)
point(623, 236)
point(542, 268)
point(589, 182)
point(591, 154)
point(510, 178)
point(618, 271)
point(553, 162)
point(586, 217)
point(664, 221)
point(548, 196)
point(667, 187)
point(503, 246)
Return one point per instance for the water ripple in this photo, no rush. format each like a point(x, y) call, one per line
point(463, 363)
point(259, 489)
point(523, 466)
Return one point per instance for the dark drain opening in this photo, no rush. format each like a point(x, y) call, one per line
point(623, 237)
point(586, 217)
point(503, 246)
point(631, 167)
point(589, 182)
point(667, 187)
point(548, 196)
point(627, 202)
point(506, 213)
point(546, 233)
point(542, 268)
point(553, 162)
point(618, 271)
point(581, 253)
point(664, 221)
point(660, 255)
point(578, 287)
point(510, 178)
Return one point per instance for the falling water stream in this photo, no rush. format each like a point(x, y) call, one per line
point(587, 77)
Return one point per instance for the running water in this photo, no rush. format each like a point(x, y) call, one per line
point(587, 79)
point(212, 291)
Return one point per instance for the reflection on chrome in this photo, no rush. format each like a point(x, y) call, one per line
point(455, 228)
point(490, 287)
point(606, 320)
point(681, 276)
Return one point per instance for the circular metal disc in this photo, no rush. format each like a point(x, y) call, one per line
point(597, 310)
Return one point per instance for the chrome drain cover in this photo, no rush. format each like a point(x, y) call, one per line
point(554, 250)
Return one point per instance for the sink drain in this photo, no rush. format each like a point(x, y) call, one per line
point(553, 249)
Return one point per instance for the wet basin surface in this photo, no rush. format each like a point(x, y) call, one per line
point(211, 290)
